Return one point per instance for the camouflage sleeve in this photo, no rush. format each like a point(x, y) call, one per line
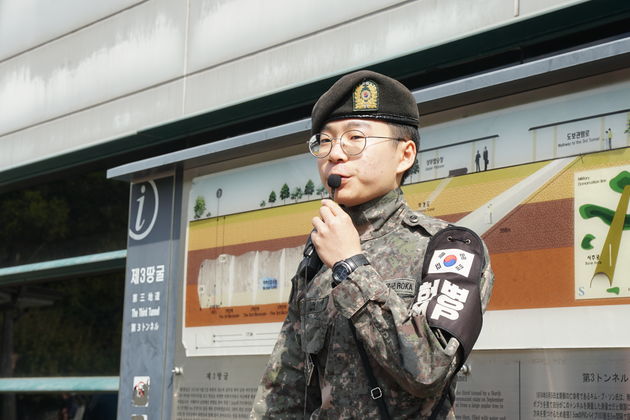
point(280, 394)
point(405, 347)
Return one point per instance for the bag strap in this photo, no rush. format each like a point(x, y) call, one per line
point(445, 394)
point(311, 264)
point(375, 391)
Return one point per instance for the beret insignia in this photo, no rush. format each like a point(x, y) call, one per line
point(365, 97)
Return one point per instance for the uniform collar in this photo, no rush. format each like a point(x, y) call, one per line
point(374, 215)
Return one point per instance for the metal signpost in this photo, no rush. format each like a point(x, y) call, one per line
point(145, 376)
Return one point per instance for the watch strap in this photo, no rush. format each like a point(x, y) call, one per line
point(357, 261)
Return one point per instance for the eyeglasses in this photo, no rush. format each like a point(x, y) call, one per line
point(352, 143)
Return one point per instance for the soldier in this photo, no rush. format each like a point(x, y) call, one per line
point(477, 158)
point(379, 330)
point(486, 160)
point(609, 136)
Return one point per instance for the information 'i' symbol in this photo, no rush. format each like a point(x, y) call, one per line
point(148, 202)
point(139, 219)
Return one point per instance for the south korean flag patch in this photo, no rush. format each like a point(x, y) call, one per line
point(451, 260)
point(448, 297)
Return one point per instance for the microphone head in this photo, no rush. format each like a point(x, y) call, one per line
point(334, 181)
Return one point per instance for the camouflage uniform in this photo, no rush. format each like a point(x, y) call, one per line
point(315, 370)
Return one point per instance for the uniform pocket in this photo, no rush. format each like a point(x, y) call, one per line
point(315, 322)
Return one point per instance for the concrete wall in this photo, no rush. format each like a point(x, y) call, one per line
point(76, 74)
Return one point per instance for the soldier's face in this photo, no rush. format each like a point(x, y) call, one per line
point(374, 172)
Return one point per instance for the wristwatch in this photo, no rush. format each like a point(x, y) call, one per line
point(342, 269)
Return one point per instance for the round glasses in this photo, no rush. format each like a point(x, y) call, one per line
point(352, 143)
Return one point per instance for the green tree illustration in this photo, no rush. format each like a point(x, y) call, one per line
point(296, 194)
point(628, 128)
point(284, 193)
point(618, 220)
point(272, 198)
point(263, 203)
point(200, 207)
point(321, 190)
point(309, 188)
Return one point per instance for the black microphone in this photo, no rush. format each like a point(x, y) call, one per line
point(334, 181)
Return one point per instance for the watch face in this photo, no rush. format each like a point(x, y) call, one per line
point(341, 272)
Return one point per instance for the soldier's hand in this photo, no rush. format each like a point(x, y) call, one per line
point(335, 237)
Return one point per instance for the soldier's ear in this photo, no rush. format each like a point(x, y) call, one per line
point(406, 155)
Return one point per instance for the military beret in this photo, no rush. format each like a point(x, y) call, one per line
point(365, 94)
